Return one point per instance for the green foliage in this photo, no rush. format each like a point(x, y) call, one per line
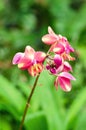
point(25, 22)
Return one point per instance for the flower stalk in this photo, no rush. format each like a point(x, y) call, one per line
point(28, 102)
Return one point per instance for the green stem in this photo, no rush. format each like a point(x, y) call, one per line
point(28, 102)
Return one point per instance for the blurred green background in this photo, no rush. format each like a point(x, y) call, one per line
point(24, 22)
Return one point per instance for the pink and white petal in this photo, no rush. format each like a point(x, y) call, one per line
point(29, 52)
point(39, 56)
point(66, 75)
point(60, 68)
point(50, 31)
point(25, 63)
point(64, 39)
point(49, 39)
point(64, 83)
point(57, 48)
point(57, 60)
point(71, 48)
point(56, 83)
point(67, 67)
point(68, 48)
point(18, 56)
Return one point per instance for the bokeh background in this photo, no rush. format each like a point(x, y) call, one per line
point(24, 22)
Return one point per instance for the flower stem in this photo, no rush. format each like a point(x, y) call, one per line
point(28, 102)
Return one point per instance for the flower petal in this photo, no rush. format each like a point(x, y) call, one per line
point(64, 83)
point(53, 71)
point(66, 75)
point(25, 63)
point(57, 48)
point(67, 67)
point(57, 60)
point(50, 31)
point(49, 39)
point(39, 56)
point(29, 52)
point(71, 49)
point(60, 68)
point(18, 56)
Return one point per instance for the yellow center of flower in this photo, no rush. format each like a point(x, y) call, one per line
point(35, 69)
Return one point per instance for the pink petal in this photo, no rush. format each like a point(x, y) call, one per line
point(56, 83)
point(18, 56)
point(68, 49)
point(60, 68)
point(49, 39)
point(64, 39)
point(66, 44)
point(72, 49)
point(29, 52)
point(25, 63)
point(66, 75)
point(39, 56)
point(64, 83)
point(67, 67)
point(50, 31)
point(57, 48)
point(57, 60)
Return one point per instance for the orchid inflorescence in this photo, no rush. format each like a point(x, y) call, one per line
point(56, 59)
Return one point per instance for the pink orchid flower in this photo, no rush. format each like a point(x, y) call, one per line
point(63, 80)
point(59, 44)
point(30, 60)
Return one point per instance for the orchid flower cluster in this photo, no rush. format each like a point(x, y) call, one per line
point(56, 59)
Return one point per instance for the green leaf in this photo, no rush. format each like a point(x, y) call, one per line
point(81, 122)
point(5, 124)
point(75, 107)
point(78, 23)
point(11, 94)
point(46, 101)
point(36, 121)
